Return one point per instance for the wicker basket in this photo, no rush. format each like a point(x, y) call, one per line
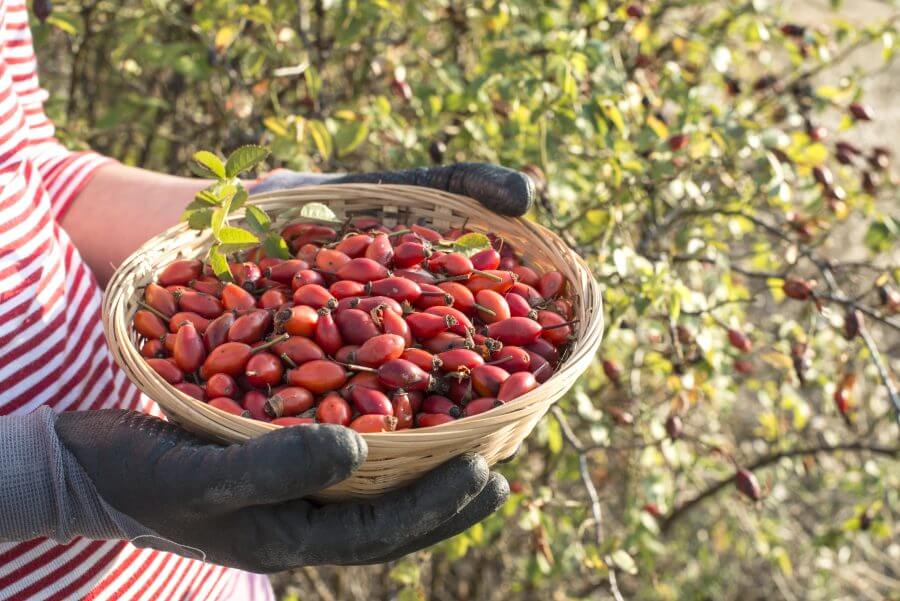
point(395, 458)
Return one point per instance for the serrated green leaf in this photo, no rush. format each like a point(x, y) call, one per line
point(258, 220)
point(219, 264)
point(224, 192)
point(210, 162)
point(198, 220)
point(276, 247)
point(316, 210)
point(206, 196)
point(194, 205)
point(244, 158)
point(218, 220)
point(472, 242)
point(199, 170)
point(239, 200)
point(321, 138)
point(236, 235)
point(229, 249)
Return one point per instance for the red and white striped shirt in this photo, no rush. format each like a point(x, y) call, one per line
point(52, 350)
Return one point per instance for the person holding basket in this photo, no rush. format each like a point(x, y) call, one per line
point(100, 498)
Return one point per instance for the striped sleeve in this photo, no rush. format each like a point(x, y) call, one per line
point(66, 173)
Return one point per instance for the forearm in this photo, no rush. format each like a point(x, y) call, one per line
point(120, 209)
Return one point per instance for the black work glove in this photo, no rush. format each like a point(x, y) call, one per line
point(242, 505)
point(500, 189)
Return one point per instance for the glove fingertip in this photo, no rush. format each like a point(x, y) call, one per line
point(521, 194)
point(469, 468)
point(339, 444)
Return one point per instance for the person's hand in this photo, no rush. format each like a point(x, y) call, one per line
point(500, 189)
point(242, 505)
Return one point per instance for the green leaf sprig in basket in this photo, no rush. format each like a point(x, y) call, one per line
point(212, 206)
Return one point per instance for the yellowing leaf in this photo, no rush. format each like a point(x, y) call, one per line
point(658, 127)
point(812, 155)
point(768, 423)
point(225, 36)
point(321, 138)
point(779, 360)
point(784, 561)
point(615, 116)
point(640, 32)
point(63, 23)
point(274, 125)
point(828, 92)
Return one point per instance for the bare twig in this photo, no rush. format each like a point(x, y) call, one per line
point(766, 460)
point(596, 510)
point(882, 369)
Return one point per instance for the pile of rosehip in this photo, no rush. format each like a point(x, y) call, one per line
point(375, 328)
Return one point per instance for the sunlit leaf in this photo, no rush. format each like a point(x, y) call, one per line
point(244, 158)
point(236, 235)
point(473, 241)
point(200, 219)
point(276, 247)
point(219, 264)
point(211, 165)
point(317, 210)
point(257, 219)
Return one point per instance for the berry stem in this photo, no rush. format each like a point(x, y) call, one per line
point(560, 325)
point(154, 311)
point(487, 275)
point(270, 343)
point(353, 367)
point(457, 278)
point(490, 312)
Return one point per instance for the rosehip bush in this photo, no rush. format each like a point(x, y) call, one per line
point(719, 165)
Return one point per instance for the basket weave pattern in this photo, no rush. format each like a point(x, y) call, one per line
point(395, 458)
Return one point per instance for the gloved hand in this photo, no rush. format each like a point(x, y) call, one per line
point(242, 505)
point(500, 189)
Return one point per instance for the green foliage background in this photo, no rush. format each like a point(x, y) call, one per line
point(588, 98)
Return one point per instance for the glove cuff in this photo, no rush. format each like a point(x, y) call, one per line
point(46, 492)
